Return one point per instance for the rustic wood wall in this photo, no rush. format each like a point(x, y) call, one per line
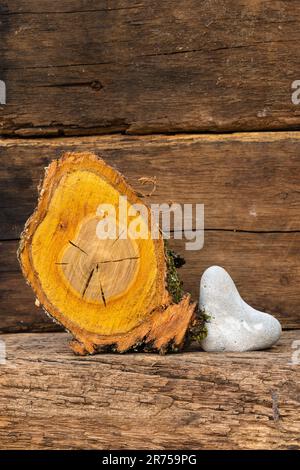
point(87, 67)
point(90, 66)
point(51, 399)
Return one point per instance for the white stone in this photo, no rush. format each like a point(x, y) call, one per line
point(233, 325)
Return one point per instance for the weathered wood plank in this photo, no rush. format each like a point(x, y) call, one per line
point(148, 66)
point(145, 401)
point(265, 267)
point(18, 311)
point(246, 181)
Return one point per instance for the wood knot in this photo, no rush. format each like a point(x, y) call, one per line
point(96, 85)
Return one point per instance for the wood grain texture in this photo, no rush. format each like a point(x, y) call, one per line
point(247, 182)
point(264, 266)
point(111, 294)
point(192, 400)
point(92, 66)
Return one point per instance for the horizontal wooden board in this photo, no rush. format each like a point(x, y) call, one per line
point(264, 266)
point(246, 181)
point(17, 309)
point(192, 400)
point(92, 66)
point(249, 184)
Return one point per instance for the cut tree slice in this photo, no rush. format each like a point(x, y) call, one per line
point(91, 272)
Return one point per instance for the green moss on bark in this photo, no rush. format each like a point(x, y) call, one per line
point(174, 284)
point(198, 330)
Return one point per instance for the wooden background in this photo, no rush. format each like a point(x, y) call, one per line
point(196, 93)
point(248, 183)
point(52, 399)
point(144, 66)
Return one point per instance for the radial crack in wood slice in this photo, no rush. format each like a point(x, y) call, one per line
point(116, 294)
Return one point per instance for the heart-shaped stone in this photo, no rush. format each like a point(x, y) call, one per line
point(233, 325)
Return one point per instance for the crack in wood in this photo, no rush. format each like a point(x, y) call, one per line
point(102, 294)
point(76, 246)
point(275, 407)
point(118, 260)
point(88, 282)
point(224, 48)
point(35, 67)
point(101, 288)
point(229, 230)
point(94, 84)
point(67, 12)
point(118, 237)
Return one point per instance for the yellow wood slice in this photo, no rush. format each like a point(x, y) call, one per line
point(111, 294)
